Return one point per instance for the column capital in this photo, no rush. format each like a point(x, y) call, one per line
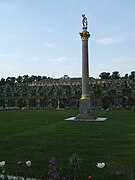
point(85, 35)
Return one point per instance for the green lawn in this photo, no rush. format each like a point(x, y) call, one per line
point(38, 135)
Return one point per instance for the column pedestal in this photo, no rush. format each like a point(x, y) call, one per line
point(85, 111)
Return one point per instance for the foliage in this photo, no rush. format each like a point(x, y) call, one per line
point(115, 75)
point(106, 102)
point(132, 75)
point(104, 75)
point(22, 79)
point(75, 162)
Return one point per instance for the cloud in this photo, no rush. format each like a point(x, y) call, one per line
point(10, 7)
point(48, 29)
point(34, 59)
point(61, 59)
point(15, 64)
point(121, 64)
point(64, 65)
point(49, 45)
point(2, 55)
point(10, 55)
point(65, 60)
point(10, 63)
point(122, 59)
point(108, 41)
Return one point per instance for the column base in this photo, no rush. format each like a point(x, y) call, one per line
point(85, 117)
point(85, 111)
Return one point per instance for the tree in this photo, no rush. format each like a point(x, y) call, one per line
point(115, 75)
point(126, 76)
point(2, 81)
point(33, 78)
point(44, 77)
point(25, 78)
point(104, 75)
point(106, 102)
point(39, 78)
point(132, 75)
point(10, 80)
point(19, 79)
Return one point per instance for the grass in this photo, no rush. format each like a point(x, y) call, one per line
point(38, 135)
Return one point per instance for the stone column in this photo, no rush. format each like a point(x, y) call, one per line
point(85, 109)
point(85, 65)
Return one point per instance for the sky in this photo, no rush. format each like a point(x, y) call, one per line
point(41, 37)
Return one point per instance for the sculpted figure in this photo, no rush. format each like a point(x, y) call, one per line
point(84, 21)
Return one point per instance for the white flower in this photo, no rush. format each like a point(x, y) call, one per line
point(100, 165)
point(2, 163)
point(28, 163)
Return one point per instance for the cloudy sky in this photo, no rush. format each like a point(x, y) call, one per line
point(41, 37)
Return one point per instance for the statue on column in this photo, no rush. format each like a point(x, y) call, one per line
point(84, 21)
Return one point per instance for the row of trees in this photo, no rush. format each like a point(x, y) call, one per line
point(116, 75)
point(28, 79)
point(22, 79)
